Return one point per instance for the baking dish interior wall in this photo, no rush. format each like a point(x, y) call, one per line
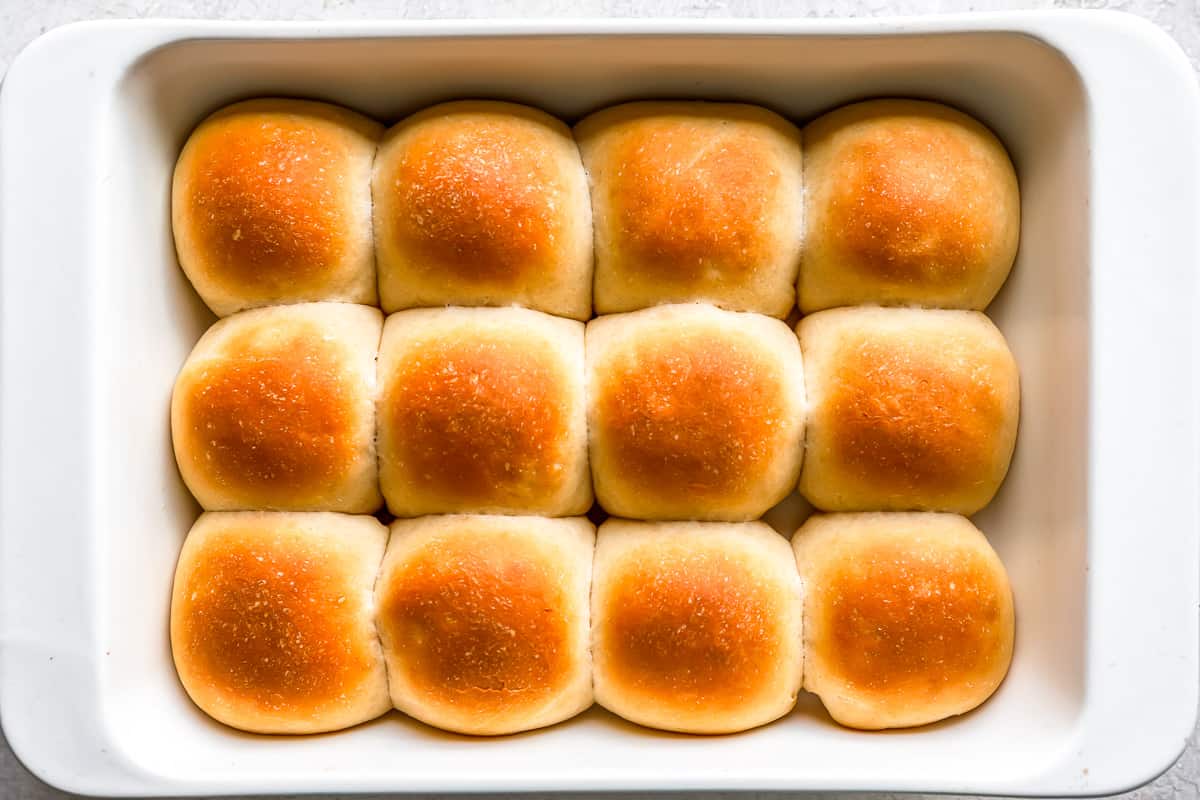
point(149, 318)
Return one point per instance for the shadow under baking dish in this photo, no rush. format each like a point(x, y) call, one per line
point(1023, 89)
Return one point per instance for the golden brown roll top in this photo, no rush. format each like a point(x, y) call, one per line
point(908, 616)
point(694, 201)
point(906, 202)
point(272, 620)
point(694, 412)
point(483, 203)
point(484, 621)
point(696, 627)
point(908, 409)
point(482, 410)
point(271, 203)
point(275, 409)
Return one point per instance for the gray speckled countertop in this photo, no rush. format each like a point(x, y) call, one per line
point(23, 20)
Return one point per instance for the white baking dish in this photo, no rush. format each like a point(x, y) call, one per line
point(1097, 522)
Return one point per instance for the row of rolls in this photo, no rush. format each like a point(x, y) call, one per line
point(285, 622)
point(677, 412)
point(486, 203)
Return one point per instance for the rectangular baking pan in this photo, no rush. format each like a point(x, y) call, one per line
point(1097, 522)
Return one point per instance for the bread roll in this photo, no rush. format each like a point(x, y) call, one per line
point(484, 621)
point(694, 202)
point(482, 410)
point(271, 204)
point(694, 412)
point(909, 409)
point(480, 203)
point(696, 626)
point(906, 202)
point(275, 409)
point(272, 620)
point(908, 618)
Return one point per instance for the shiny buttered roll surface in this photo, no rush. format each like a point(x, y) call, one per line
point(483, 203)
point(271, 203)
point(696, 627)
point(482, 410)
point(694, 201)
point(906, 202)
point(908, 617)
point(909, 409)
point(694, 412)
point(272, 620)
point(275, 409)
point(484, 620)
